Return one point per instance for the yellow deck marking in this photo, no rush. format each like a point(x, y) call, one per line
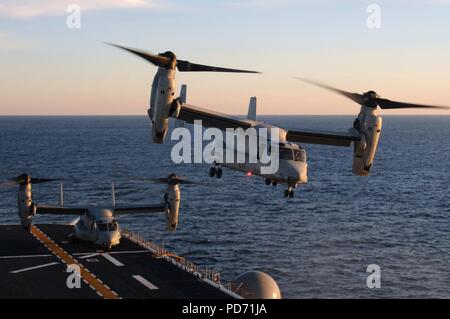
point(90, 279)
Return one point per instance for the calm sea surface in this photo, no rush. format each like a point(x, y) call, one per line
point(316, 245)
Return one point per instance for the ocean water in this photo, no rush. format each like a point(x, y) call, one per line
point(316, 245)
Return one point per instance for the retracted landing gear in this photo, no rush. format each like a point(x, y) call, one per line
point(216, 170)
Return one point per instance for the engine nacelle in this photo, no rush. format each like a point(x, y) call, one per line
point(161, 98)
point(172, 199)
point(369, 125)
point(153, 91)
point(26, 208)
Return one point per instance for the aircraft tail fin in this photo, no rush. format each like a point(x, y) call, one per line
point(251, 115)
point(61, 194)
point(183, 93)
point(113, 195)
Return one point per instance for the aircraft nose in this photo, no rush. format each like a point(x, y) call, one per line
point(108, 239)
point(298, 172)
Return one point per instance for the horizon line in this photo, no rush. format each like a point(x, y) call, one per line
point(239, 115)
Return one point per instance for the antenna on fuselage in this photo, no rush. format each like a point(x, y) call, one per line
point(113, 195)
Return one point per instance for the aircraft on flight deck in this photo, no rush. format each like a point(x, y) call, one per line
point(97, 224)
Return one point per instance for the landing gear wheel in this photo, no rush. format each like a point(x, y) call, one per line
point(219, 172)
point(267, 181)
point(212, 171)
point(286, 193)
point(274, 183)
point(291, 194)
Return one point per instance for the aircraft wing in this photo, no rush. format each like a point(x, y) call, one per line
point(139, 209)
point(323, 137)
point(60, 210)
point(189, 113)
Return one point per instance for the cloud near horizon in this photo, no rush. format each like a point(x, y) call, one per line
point(30, 9)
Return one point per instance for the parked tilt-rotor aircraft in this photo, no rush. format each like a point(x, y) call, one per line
point(97, 224)
point(292, 170)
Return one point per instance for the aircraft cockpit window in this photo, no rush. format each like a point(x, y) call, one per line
point(102, 226)
point(112, 226)
point(300, 156)
point(286, 153)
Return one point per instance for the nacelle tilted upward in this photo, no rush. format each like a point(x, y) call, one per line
point(26, 207)
point(161, 99)
point(172, 199)
point(163, 87)
point(368, 124)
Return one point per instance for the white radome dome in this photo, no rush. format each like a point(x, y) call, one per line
point(257, 285)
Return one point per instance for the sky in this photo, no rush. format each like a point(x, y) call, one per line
point(47, 68)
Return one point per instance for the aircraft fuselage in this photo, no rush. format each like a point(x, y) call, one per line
point(292, 162)
point(98, 226)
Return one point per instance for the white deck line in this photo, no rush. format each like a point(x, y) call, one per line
point(32, 268)
point(196, 273)
point(145, 282)
point(113, 252)
point(25, 256)
point(113, 260)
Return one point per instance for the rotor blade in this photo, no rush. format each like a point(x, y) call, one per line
point(157, 180)
point(356, 97)
point(8, 183)
point(388, 104)
point(18, 180)
point(43, 180)
point(186, 66)
point(152, 58)
point(184, 181)
point(181, 179)
point(167, 180)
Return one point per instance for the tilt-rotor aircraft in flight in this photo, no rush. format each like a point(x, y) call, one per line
point(292, 170)
point(96, 224)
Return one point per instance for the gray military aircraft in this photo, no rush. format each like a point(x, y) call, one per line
point(97, 224)
point(364, 134)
